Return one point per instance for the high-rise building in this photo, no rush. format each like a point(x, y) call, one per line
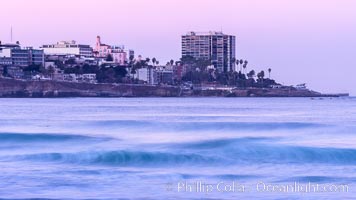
point(216, 47)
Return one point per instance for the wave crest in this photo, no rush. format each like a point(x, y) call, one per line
point(42, 137)
point(121, 158)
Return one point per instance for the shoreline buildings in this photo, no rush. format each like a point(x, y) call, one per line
point(68, 61)
point(216, 47)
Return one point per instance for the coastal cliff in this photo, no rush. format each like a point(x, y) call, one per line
point(36, 89)
point(17, 88)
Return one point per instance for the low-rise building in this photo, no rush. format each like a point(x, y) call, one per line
point(13, 54)
point(5, 60)
point(164, 76)
point(14, 71)
point(65, 48)
point(147, 75)
point(80, 78)
point(154, 76)
point(89, 78)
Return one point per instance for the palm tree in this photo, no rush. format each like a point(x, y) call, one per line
point(241, 62)
point(154, 61)
point(269, 73)
point(131, 62)
point(237, 64)
point(261, 76)
point(245, 65)
point(233, 61)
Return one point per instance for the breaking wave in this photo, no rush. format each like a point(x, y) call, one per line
point(219, 152)
point(120, 158)
point(43, 137)
point(206, 126)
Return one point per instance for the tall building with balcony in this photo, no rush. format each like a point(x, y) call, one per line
point(216, 47)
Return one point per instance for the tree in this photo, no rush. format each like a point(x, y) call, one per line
point(90, 69)
point(187, 60)
point(32, 68)
point(70, 61)
point(148, 60)
point(245, 65)
point(269, 73)
point(233, 61)
point(171, 62)
point(73, 70)
point(251, 74)
point(154, 61)
point(131, 58)
point(111, 74)
point(120, 71)
point(4, 73)
point(202, 64)
point(261, 76)
point(131, 63)
point(109, 58)
point(51, 71)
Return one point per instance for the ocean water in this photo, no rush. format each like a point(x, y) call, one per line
point(178, 148)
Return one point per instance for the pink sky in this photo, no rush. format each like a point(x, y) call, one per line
point(308, 41)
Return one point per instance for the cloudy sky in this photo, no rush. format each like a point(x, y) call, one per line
point(303, 41)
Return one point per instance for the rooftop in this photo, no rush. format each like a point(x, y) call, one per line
point(206, 33)
point(8, 45)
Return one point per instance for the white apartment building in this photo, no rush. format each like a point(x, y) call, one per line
point(147, 75)
point(65, 48)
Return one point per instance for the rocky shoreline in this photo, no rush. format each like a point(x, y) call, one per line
point(10, 88)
